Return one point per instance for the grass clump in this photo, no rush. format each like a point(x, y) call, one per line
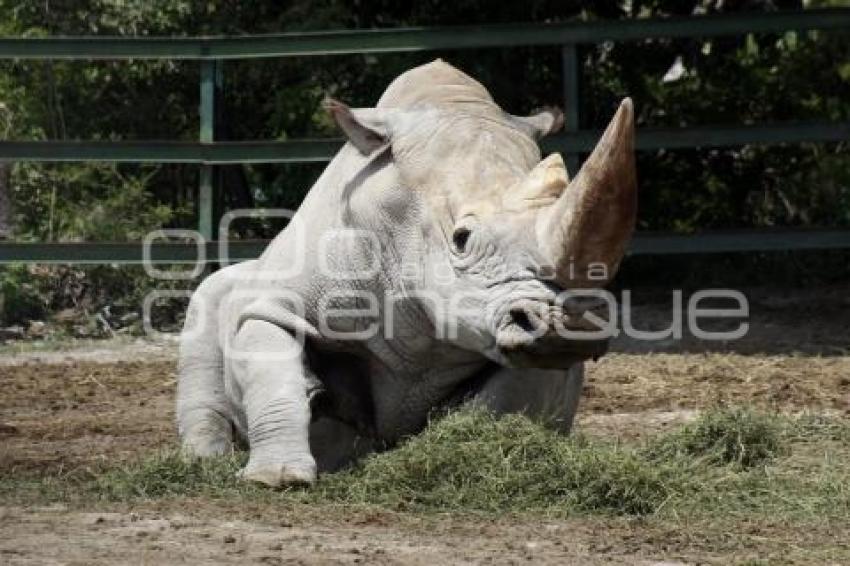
point(169, 473)
point(472, 460)
point(724, 436)
point(812, 426)
point(467, 461)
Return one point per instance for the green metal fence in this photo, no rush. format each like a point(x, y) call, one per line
point(211, 52)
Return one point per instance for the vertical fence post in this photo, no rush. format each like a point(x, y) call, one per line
point(572, 76)
point(206, 195)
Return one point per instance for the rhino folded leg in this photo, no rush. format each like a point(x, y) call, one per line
point(551, 396)
point(204, 417)
point(271, 372)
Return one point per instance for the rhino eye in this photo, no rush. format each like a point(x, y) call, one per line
point(460, 239)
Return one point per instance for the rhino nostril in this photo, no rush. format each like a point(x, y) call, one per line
point(521, 319)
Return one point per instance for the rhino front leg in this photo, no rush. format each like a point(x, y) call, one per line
point(551, 396)
point(271, 372)
point(204, 414)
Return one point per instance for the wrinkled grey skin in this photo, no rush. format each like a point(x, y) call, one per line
point(259, 362)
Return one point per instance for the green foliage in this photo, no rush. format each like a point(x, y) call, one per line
point(85, 301)
point(20, 300)
point(93, 202)
point(750, 79)
point(730, 80)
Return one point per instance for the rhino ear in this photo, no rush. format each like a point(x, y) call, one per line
point(546, 122)
point(366, 128)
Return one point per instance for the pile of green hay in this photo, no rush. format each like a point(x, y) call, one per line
point(471, 460)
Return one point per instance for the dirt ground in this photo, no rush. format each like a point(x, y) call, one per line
point(81, 407)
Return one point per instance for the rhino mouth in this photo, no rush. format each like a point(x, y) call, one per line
point(534, 334)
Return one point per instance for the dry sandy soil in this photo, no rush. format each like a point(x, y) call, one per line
point(61, 411)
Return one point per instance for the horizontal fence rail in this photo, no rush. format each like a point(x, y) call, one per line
point(208, 153)
point(418, 39)
point(131, 253)
point(298, 151)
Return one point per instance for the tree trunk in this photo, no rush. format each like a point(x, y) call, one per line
point(5, 200)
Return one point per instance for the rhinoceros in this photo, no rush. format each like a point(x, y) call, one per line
point(426, 268)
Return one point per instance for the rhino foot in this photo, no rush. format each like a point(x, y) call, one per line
point(278, 474)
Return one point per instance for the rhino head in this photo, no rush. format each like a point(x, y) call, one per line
point(505, 235)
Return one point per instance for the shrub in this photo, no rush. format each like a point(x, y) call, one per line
point(20, 299)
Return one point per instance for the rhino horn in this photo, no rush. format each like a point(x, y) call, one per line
point(586, 231)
